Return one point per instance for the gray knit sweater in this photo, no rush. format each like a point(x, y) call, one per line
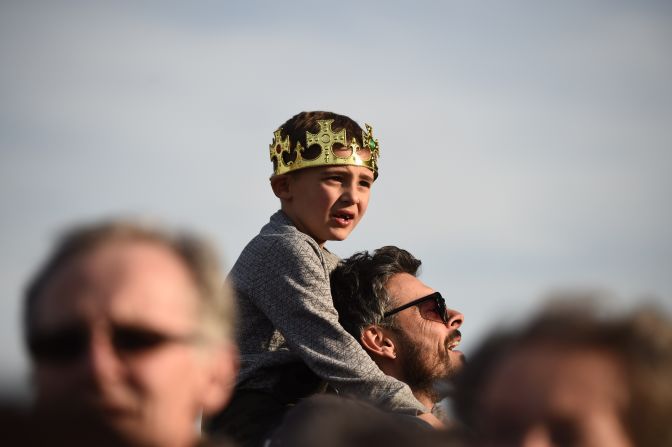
point(287, 318)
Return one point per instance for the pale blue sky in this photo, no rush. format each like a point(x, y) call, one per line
point(526, 145)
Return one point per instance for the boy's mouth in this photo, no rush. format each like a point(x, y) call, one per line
point(343, 217)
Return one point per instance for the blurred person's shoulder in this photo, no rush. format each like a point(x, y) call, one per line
point(335, 421)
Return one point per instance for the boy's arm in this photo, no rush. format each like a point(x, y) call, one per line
point(293, 292)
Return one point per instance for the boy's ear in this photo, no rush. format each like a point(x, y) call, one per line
point(281, 186)
point(377, 342)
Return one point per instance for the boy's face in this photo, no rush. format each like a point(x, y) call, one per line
point(327, 202)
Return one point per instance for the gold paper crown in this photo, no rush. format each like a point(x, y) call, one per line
point(325, 138)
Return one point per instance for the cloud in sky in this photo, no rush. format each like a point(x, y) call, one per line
point(524, 146)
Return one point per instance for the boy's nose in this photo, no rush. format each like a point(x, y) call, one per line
point(350, 195)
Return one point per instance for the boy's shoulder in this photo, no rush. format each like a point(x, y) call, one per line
point(280, 232)
point(280, 235)
point(280, 239)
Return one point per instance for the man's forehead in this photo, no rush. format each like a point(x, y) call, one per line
point(133, 282)
point(548, 367)
point(404, 288)
point(543, 383)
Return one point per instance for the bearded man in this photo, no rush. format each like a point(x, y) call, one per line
point(402, 323)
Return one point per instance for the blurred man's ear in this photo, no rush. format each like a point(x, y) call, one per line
point(377, 342)
point(221, 377)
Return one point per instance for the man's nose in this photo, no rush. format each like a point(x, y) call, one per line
point(101, 363)
point(455, 319)
point(536, 437)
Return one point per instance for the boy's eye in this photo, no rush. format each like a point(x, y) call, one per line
point(365, 184)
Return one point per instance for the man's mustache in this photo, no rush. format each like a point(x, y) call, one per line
point(454, 336)
point(457, 334)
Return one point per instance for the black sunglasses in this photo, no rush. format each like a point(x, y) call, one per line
point(439, 307)
point(68, 344)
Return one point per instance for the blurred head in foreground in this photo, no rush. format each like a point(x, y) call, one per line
point(337, 421)
point(132, 324)
point(571, 378)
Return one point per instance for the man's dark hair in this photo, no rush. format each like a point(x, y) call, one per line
point(297, 126)
point(358, 286)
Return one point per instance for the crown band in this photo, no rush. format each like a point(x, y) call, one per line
point(325, 138)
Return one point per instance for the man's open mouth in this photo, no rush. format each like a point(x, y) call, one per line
point(454, 341)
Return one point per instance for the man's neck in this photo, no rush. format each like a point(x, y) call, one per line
point(424, 398)
point(391, 368)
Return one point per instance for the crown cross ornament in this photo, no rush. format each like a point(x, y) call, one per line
point(279, 145)
point(326, 138)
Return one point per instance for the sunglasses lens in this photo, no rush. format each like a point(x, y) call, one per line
point(68, 345)
point(137, 340)
point(58, 347)
point(432, 308)
point(441, 307)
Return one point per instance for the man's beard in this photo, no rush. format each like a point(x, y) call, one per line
point(421, 370)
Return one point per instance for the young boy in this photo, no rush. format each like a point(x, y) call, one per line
point(291, 343)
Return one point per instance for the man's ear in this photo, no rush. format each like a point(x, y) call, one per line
point(221, 378)
point(281, 185)
point(377, 342)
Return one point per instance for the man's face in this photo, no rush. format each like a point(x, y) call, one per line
point(328, 202)
point(551, 396)
point(425, 343)
point(119, 334)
